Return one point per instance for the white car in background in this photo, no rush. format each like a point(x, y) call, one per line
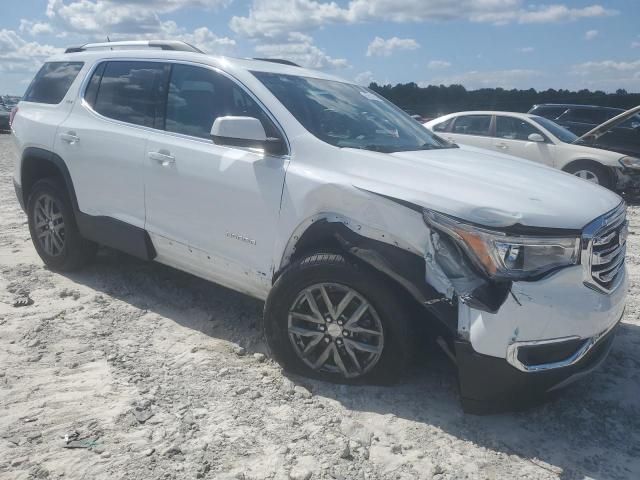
point(540, 140)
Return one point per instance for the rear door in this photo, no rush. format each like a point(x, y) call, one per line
point(212, 210)
point(512, 137)
point(474, 130)
point(103, 141)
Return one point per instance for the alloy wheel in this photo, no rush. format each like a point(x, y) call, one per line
point(49, 225)
point(335, 329)
point(587, 175)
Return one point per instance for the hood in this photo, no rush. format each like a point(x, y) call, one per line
point(603, 128)
point(482, 187)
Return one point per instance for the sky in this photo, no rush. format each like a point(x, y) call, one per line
point(572, 44)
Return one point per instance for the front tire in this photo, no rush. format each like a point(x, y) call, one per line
point(332, 318)
point(591, 172)
point(53, 227)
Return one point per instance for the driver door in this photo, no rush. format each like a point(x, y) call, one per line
point(212, 210)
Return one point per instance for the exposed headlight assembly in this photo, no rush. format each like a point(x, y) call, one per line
point(503, 256)
point(630, 162)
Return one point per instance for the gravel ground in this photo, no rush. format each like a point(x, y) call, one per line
point(135, 370)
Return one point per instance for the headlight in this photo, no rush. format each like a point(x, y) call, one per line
point(630, 162)
point(505, 256)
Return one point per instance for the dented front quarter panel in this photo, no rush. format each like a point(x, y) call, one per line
point(323, 190)
point(321, 193)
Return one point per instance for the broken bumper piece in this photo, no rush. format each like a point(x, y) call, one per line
point(491, 385)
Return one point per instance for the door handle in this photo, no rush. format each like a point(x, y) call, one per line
point(501, 146)
point(163, 157)
point(69, 137)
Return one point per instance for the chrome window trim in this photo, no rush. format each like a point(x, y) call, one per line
point(612, 219)
point(588, 344)
point(87, 79)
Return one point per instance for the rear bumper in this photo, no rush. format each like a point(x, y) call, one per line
point(492, 385)
point(18, 190)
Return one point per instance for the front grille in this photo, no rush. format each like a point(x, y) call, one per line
point(604, 249)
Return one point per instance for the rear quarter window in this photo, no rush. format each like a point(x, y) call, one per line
point(52, 82)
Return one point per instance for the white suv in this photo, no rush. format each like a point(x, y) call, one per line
point(351, 220)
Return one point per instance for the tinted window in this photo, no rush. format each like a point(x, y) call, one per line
point(511, 128)
point(549, 112)
point(131, 92)
point(197, 96)
point(472, 124)
point(52, 82)
point(91, 92)
point(443, 126)
point(585, 115)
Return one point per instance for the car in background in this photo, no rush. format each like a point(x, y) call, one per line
point(5, 115)
point(580, 119)
point(540, 140)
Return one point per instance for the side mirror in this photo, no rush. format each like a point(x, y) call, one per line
point(245, 132)
point(536, 137)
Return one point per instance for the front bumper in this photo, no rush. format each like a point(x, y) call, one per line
point(492, 385)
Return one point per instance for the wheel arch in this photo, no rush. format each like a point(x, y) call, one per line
point(610, 171)
point(403, 267)
point(38, 163)
point(584, 161)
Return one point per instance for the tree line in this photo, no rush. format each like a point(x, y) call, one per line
point(436, 100)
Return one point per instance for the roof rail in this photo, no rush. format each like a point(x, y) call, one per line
point(278, 60)
point(135, 44)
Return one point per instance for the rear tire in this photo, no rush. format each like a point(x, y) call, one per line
point(53, 227)
point(591, 172)
point(319, 340)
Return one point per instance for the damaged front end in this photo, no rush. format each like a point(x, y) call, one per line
point(478, 265)
point(490, 288)
point(513, 283)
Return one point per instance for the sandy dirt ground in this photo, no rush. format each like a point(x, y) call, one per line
point(132, 370)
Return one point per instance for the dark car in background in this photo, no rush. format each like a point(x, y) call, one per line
point(580, 119)
point(5, 114)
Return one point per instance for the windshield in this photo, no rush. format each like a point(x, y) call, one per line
point(349, 116)
point(561, 133)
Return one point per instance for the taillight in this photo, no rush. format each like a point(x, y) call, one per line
point(12, 115)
